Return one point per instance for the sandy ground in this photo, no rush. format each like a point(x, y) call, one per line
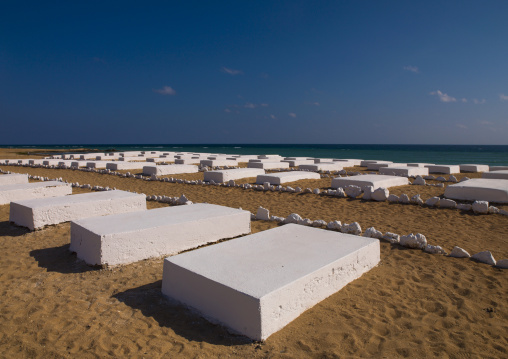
point(412, 305)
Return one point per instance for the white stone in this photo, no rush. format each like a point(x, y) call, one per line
point(255, 286)
point(434, 249)
point(130, 237)
point(413, 241)
point(340, 192)
point(294, 163)
point(377, 166)
point(441, 179)
point(380, 194)
point(447, 203)
point(220, 176)
point(419, 164)
point(416, 199)
point(367, 193)
point(263, 214)
point(501, 174)
point(37, 213)
point(365, 163)
point(480, 207)
point(375, 181)
point(464, 206)
point(404, 171)
point(13, 178)
point(498, 168)
point(404, 198)
point(473, 168)
point(391, 237)
point(484, 257)
point(371, 232)
point(433, 201)
point(503, 263)
point(97, 164)
point(319, 223)
point(393, 198)
point(22, 191)
point(479, 189)
point(293, 218)
point(285, 177)
point(458, 252)
point(353, 191)
point(268, 165)
point(169, 169)
point(219, 162)
point(447, 169)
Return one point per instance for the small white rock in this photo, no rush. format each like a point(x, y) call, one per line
point(484, 257)
point(458, 252)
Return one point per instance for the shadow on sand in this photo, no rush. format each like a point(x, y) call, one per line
point(184, 322)
point(10, 230)
point(60, 259)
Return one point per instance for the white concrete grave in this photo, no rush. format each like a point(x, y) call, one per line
point(219, 162)
point(377, 166)
point(169, 169)
point(323, 166)
point(51, 162)
point(21, 191)
point(187, 161)
point(121, 165)
point(268, 165)
point(294, 163)
point(479, 189)
point(257, 284)
point(220, 176)
point(35, 162)
point(13, 178)
point(446, 169)
point(271, 157)
point(419, 164)
point(502, 174)
point(498, 168)
point(130, 237)
point(37, 213)
point(284, 177)
point(130, 159)
point(97, 164)
point(353, 161)
point(473, 168)
point(78, 163)
point(404, 171)
point(376, 181)
point(364, 163)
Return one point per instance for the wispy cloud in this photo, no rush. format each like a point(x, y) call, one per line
point(460, 125)
point(227, 110)
point(292, 114)
point(444, 97)
point(273, 117)
point(254, 105)
point(231, 71)
point(503, 97)
point(412, 69)
point(463, 100)
point(166, 90)
point(479, 102)
point(485, 123)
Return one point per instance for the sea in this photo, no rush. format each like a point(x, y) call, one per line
point(493, 155)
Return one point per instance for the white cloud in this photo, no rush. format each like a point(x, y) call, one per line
point(460, 125)
point(227, 110)
point(254, 105)
point(412, 69)
point(503, 97)
point(486, 123)
point(444, 97)
point(264, 105)
point(292, 114)
point(479, 102)
point(231, 71)
point(273, 117)
point(463, 100)
point(166, 90)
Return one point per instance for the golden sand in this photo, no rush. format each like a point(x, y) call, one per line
point(412, 305)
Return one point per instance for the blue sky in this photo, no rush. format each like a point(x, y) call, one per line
point(424, 72)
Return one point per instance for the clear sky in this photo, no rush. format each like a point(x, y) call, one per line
point(423, 72)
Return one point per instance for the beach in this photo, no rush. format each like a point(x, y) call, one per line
point(413, 304)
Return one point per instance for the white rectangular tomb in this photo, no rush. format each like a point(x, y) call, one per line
point(21, 191)
point(376, 181)
point(123, 165)
point(323, 166)
point(13, 178)
point(37, 213)
point(502, 174)
point(294, 163)
point(377, 166)
point(233, 174)
point(284, 177)
point(220, 162)
point(479, 189)
point(473, 168)
point(257, 284)
point(130, 237)
point(268, 165)
point(446, 169)
point(405, 171)
point(164, 170)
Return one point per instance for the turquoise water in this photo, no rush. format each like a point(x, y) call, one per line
point(439, 154)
